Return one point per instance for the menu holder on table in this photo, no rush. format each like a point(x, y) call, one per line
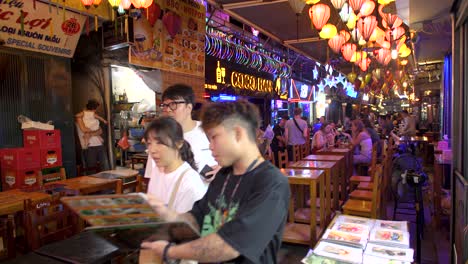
point(127, 220)
point(389, 237)
point(312, 258)
point(390, 253)
point(339, 252)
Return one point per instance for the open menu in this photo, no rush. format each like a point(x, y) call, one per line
point(394, 225)
point(345, 238)
point(127, 220)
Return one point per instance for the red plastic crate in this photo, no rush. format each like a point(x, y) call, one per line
point(20, 158)
point(14, 179)
point(51, 157)
point(41, 138)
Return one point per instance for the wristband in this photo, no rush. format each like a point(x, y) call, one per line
point(164, 255)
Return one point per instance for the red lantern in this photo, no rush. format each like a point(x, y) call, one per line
point(367, 8)
point(367, 26)
point(125, 4)
point(87, 3)
point(356, 5)
point(319, 14)
point(348, 50)
point(154, 11)
point(383, 56)
point(336, 42)
point(364, 64)
point(142, 3)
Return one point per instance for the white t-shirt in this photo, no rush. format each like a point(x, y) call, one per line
point(90, 121)
point(191, 187)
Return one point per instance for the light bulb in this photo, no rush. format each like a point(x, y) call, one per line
point(394, 54)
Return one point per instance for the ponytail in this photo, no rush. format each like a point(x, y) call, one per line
point(187, 155)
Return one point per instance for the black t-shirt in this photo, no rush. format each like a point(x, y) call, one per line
point(278, 131)
point(254, 220)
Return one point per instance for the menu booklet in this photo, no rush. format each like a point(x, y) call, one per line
point(391, 253)
point(127, 220)
point(339, 252)
point(394, 225)
point(345, 238)
point(389, 237)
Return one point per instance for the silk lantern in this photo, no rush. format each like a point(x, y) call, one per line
point(125, 4)
point(172, 22)
point(345, 34)
point(383, 56)
point(96, 3)
point(345, 13)
point(319, 14)
point(336, 42)
point(348, 50)
point(338, 4)
point(142, 3)
point(328, 31)
point(356, 5)
point(367, 8)
point(87, 3)
point(366, 26)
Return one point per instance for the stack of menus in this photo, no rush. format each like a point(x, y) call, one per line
point(351, 239)
point(127, 220)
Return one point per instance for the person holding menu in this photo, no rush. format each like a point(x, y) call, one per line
point(242, 216)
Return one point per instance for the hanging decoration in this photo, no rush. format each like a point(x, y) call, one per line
point(328, 31)
point(383, 56)
point(356, 5)
point(367, 26)
point(345, 12)
point(336, 43)
point(297, 5)
point(367, 8)
point(319, 14)
point(348, 50)
point(96, 3)
point(338, 4)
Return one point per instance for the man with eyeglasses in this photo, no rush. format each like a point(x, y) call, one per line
point(178, 102)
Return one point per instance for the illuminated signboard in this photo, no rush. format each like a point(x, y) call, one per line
point(300, 91)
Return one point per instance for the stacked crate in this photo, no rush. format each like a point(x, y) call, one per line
point(21, 167)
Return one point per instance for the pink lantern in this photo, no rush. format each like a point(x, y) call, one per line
point(356, 5)
point(383, 56)
point(348, 50)
point(395, 34)
point(338, 4)
point(364, 64)
point(366, 26)
point(367, 8)
point(336, 42)
point(389, 20)
point(319, 14)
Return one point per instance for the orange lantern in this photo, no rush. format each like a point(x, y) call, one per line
point(87, 3)
point(336, 42)
point(125, 4)
point(367, 8)
point(319, 14)
point(345, 34)
point(348, 50)
point(142, 3)
point(338, 4)
point(356, 5)
point(383, 56)
point(366, 26)
point(96, 3)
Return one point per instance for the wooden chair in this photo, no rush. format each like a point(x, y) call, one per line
point(296, 153)
point(8, 240)
point(367, 208)
point(283, 159)
point(304, 151)
point(355, 180)
point(47, 222)
point(57, 174)
point(365, 194)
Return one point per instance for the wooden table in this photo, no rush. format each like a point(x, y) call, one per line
point(12, 201)
point(347, 153)
point(87, 184)
point(128, 178)
point(342, 168)
point(303, 233)
point(329, 169)
point(139, 158)
point(439, 164)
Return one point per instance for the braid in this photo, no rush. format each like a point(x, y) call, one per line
point(187, 155)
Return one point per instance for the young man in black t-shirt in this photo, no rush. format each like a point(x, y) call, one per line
point(242, 215)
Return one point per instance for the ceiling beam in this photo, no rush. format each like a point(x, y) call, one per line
point(303, 40)
point(251, 4)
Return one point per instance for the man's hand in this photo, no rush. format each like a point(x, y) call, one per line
point(161, 209)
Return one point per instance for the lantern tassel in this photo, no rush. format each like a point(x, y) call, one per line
point(51, 29)
point(57, 7)
point(96, 23)
point(64, 13)
point(22, 23)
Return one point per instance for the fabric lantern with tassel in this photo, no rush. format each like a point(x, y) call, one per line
point(338, 4)
point(367, 26)
point(319, 14)
point(115, 5)
point(142, 3)
point(348, 50)
point(356, 5)
point(96, 3)
point(87, 4)
point(328, 31)
point(367, 8)
point(336, 42)
point(383, 56)
point(297, 6)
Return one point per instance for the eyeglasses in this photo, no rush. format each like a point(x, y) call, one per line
point(171, 105)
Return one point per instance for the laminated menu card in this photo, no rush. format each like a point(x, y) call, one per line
point(312, 258)
point(345, 238)
point(390, 237)
point(361, 230)
point(400, 254)
point(356, 220)
point(394, 225)
point(339, 252)
point(127, 220)
point(369, 259)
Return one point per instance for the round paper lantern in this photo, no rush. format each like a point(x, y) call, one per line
point(338, 4)
point(366, 26)
point(336, 42)
point(348, 50)
point(383, 56)
point(345, 34)
point(319, 14)
point(142, 3)
point(345, 13)
point(401, 42)
point(87, 3)
point(96, 3)
point(367, 8)
point(356, 5)
point(114, 3)
point(125, 4)
point(352, 21)
point(328, 31)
